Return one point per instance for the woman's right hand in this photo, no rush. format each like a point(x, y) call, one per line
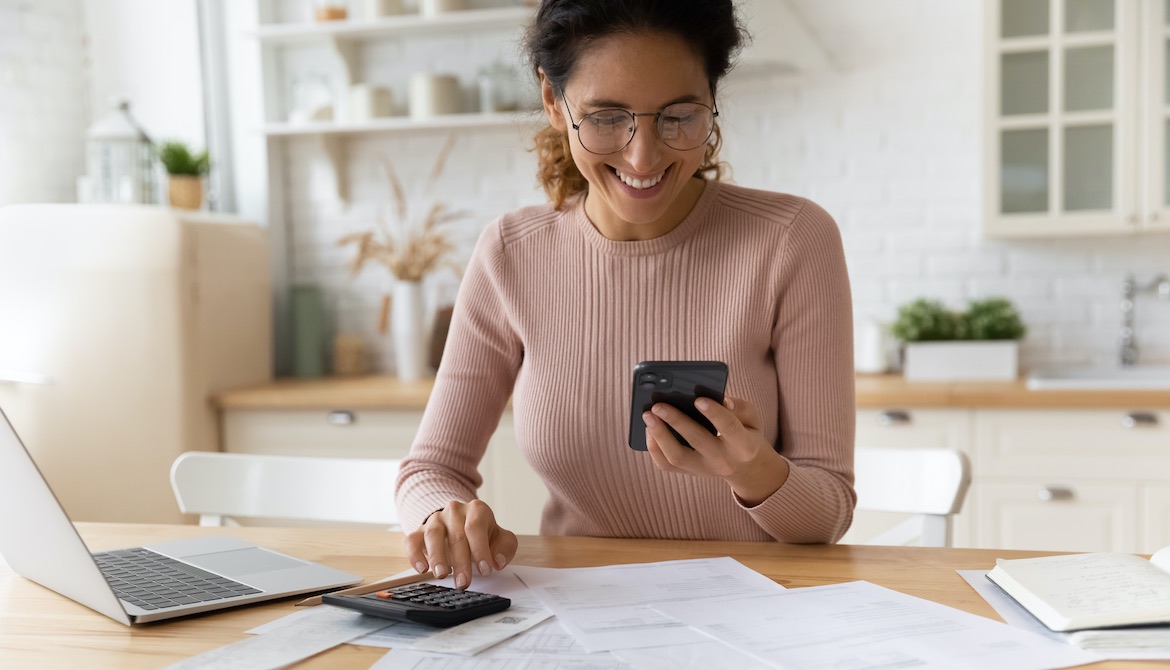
point(457, 537)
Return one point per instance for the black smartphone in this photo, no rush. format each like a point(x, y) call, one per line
point(677, 383)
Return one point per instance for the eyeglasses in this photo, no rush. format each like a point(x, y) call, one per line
point(682, 126)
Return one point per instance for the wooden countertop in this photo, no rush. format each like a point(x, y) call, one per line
point(873, 392)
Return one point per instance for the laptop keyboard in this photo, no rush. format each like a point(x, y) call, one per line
point(153, 581)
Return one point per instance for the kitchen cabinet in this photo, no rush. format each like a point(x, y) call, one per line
point(1051, 470)
point(512, 489)
point(1075, 117)
point(1066, 481)
point(1044, 479)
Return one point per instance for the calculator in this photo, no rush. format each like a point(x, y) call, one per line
point(428, 604)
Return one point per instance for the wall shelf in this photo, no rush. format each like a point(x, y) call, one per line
point(406, 25)
point(331, 135)
point(399, 124)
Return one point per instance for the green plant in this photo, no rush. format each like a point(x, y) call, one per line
point(178, 159)
point(925, 320)
point(992, 319)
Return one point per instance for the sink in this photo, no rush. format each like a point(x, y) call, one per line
point(1118, 378)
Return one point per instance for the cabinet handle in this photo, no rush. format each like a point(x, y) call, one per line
point(1054, 494)
point(1135, 419)
point(341, 417)
point(893, 417)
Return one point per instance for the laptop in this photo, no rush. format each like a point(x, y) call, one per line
point(193, 575)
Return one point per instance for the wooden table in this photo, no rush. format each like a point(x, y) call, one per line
point(41, 629)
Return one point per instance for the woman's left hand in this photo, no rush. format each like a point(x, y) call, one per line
point(739, 454)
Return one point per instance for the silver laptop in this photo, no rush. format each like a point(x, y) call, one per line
point(141, 584)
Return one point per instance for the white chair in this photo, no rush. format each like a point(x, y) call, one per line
point(225, 487)
point(931, 484)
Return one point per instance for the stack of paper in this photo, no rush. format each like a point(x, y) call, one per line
point(699, 613)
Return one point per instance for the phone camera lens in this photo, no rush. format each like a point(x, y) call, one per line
point(649, 377)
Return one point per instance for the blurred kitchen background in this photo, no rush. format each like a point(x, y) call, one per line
point(876, 112)
point(968, 149)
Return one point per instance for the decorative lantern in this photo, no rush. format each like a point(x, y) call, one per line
point(121, 159)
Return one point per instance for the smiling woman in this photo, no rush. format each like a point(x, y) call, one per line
point(642, 254)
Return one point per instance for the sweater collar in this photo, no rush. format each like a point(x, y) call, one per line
point(683, 231)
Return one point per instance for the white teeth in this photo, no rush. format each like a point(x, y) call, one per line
point(639, 184)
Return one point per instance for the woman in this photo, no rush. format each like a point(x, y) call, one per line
point(640, 257)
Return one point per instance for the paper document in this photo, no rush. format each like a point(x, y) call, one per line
point(547, 646)
point(1015, 615)
point(609, 607)
point(305, 637)
point(468, 638)
point(863, 625)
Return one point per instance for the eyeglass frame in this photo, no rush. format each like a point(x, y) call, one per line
point(657, 115)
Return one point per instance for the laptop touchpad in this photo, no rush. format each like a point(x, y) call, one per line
point(243, 561)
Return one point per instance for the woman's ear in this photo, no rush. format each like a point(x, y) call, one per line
point(552, 106)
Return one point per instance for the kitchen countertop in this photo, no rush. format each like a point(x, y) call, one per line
point(873, 392)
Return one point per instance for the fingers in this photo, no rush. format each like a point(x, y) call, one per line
point(665, 450)
point(480, 522)
point(745, 411)
point(459, 539)
point(504, 545)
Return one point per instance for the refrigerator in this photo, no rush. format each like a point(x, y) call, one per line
point(117, 322)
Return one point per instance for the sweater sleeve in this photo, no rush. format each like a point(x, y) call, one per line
point(480, 361)
point(812, 339)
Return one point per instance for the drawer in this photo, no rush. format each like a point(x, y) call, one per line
point(1094, 444)
point(1054, 514)
point(346, 433)
point(914, 428)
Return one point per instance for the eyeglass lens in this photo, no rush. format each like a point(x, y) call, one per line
point(682, 126)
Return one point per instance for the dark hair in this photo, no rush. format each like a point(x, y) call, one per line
point(565, 29)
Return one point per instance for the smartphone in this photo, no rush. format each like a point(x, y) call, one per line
point(676, 383)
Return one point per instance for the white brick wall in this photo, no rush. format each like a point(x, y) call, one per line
point(889, 143)
point(43, 106)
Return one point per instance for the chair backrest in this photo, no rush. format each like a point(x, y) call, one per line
point(217, 485)
point(929, 483)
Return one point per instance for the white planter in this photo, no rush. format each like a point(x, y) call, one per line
point(995, 360)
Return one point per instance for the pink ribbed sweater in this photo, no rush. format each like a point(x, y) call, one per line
point(555, 315)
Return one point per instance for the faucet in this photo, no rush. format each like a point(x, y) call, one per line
point(1130, 290)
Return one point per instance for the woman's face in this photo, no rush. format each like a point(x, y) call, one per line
point(644, 190)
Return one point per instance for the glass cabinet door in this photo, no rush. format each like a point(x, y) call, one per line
point(1061, 136)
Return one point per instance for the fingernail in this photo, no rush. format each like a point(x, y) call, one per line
point(420, 566)
point(461, 581)
point(703, 403)
point(484, 568)
point(649, 419)
point(500, 561)
point(729, 403)
point(439, 570)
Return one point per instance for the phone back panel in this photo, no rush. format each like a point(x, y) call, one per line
point(676, 383)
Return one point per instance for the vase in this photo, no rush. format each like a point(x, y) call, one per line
point(185, 191)
point(408, 330)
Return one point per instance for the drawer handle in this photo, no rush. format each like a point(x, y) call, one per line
point(341, 417)
point(893, 417)
point(1135, 419)
point(1054, 494)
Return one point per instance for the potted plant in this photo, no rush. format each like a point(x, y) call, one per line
point(979, 344)
point(185, 171)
